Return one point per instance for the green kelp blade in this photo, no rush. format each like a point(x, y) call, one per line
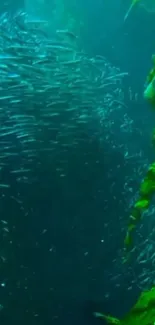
point(143, 312)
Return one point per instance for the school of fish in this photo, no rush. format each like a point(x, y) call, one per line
point(50, 93)
point(53, 98)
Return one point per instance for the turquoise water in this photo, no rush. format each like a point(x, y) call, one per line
point(75, 142)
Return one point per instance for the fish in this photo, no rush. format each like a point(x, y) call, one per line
point(53, 96)
point(133, 4)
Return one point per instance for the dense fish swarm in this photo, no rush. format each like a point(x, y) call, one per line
point(50, 93)
point(54, 99)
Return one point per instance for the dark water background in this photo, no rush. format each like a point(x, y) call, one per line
point(64, 269)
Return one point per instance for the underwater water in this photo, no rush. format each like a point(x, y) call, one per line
point(75, 143)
